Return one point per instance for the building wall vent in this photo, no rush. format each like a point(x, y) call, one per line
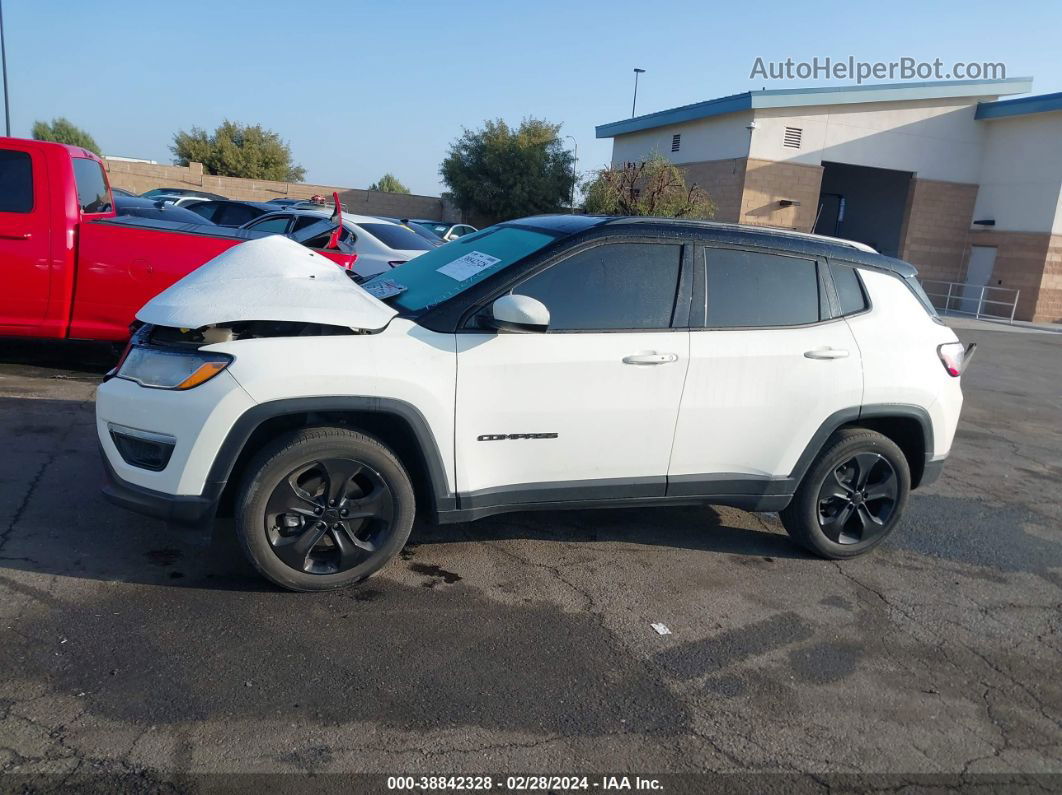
point(792, 137)
point(676, 142)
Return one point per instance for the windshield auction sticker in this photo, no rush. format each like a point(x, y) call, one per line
point(468, 266)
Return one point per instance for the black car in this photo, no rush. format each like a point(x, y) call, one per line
point(160, 211)
point(122, 192)
point(229, 212)
point(198, 194)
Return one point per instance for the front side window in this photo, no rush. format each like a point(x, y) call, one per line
point(92, 193)
point(16, 182)
point(610, 287)
point(754, 289)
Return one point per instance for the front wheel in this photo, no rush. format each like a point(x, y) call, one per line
point(323, 508)
point(852, 497)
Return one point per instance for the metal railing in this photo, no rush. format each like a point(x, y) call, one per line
point(956, 298)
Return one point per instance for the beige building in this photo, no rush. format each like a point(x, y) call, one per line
point(947, 175)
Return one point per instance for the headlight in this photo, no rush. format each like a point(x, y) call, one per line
point(159, 369)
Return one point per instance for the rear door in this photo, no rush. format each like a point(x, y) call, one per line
point(25, 245)
point(771, 362)
point(587, 409)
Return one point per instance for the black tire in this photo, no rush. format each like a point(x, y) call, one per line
point(284, 500)
point(831, 514)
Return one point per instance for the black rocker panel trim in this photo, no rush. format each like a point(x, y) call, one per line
point(749, 492)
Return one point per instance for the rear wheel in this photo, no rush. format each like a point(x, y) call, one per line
point(852, 497)
point(323, 508)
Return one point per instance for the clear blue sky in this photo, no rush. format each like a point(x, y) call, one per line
point(361, 88)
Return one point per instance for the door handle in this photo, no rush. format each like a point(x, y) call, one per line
point(19, 236)
point(826, 353)
point(650, 357)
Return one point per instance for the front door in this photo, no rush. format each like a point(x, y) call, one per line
point(25, 263)
point(587, 409)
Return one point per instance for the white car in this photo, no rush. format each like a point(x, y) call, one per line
point(551, 362)
point(380, 245)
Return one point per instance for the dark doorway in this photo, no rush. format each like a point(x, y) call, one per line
point(864, 204)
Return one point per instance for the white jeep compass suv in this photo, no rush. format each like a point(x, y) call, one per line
point(550, 362)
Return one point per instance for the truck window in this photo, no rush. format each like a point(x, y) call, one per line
point(92, 193)
point(16, 182)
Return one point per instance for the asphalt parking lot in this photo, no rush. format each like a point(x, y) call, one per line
point(523, 643)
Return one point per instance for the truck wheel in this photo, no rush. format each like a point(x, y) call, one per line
point(323, 508)
point(852, 497)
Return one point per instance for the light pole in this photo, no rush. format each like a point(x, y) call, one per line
point(634, 104)
point(575, 171)
point(3, 63)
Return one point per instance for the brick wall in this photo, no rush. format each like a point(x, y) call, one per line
point(767, 182)
point(936, 228)
point(724, 180)
point(141, 177)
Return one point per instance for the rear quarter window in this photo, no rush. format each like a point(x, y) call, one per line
point(16, 182)
point(849, 288)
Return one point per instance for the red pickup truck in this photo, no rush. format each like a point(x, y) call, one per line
point(69, 267)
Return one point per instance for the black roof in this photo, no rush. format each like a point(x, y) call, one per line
point(737, 234)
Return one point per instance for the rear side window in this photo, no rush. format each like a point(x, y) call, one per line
point(206, 209)
point(92, 193)
point(16, 182)
point(749, 288)
point(610, 287)
point(849, 289)
point(277, 225)
point(235, 215)
point(397, 237)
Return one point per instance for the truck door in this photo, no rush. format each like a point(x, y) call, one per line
point(25, 261)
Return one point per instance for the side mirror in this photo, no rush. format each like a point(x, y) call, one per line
point(519, 313)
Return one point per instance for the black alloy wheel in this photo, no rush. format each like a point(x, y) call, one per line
point(329, 515)
point(857, 498)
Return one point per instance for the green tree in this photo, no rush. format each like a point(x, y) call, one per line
point(237, 150)
point(389, 183)
point(501, 173)
point(64, 131)
point(654, 186)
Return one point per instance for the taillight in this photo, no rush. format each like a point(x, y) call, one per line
point(954, 356)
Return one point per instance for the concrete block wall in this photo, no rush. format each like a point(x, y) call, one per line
point(768, 182)
point(1049, 303)
point(141, 177)
point(1030, 262)
point(724, 180)
point(936, 231)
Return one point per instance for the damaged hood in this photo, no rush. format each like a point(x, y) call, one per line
point(271, 278)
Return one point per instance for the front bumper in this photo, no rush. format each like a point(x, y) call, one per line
point(194, 512)
point(931, 471)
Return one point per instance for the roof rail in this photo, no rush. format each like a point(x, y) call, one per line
point(839, 241)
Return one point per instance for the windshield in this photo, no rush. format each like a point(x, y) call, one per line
point(397, 237)
point(444, 272)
